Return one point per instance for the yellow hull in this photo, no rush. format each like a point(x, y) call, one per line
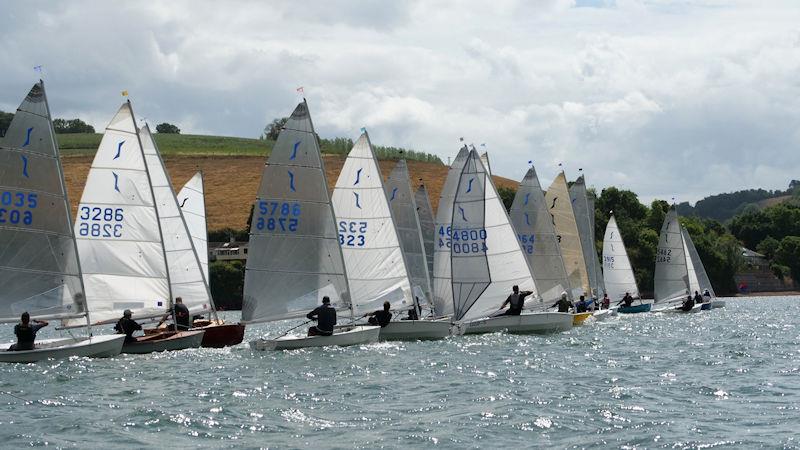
point(579, 318)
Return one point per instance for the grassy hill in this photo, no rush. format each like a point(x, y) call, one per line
point(85, 144)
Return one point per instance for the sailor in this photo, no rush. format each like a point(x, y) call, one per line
point(580, 307)
point(26, 333)
point(183, 319)
point(628, 300)
point(698, 298)
point(381, 317)
point(325, 316)
point(706, 296)
point(688, 304)
point(606, 301)
point(515, 302)
point(127, 326)
point(413, 314)
point(563, 303)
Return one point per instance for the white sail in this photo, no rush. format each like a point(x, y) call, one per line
point(601, 285)
point(376, 267)
point(560, 204)
point(428, 227)
point(694, 283)
point(407, 222)
point(191, 199)
point(537, 237)
point(506, 263)
point(617, 270)
point(186, 277)
point(700, 270)
point(39, 269)
point(584, 212)
point(671, 280)
point(294, 258)
point(117, 228)
point(485, 162)
point(442, 283)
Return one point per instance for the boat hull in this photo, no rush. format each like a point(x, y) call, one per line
point(532, 323)
point(415, 330)
point(222, 335)
point(635, 309)
point(162, 342)
point(603, 314)
point(676, 309)
point(357, 335)
point(579, 318)
point(103, 346)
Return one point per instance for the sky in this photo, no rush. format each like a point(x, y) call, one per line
point(678, 99)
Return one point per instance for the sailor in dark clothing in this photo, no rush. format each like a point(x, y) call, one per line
point(515, 302)
point(127, 326)
point(381, 317)
point(628, 300)
point(580, 307)
point(325, 316)
point(183, 319)
point(413, 314)
point(688, 304)
point(698, 299)
point(706, 296)
point(26, 333)
point(606, 302)
point(563, 303)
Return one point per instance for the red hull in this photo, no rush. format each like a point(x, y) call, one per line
point(218, 336)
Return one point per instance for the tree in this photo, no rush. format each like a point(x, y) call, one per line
point(167, 128)
point(227, 283)
point(5, 121)
point(272, 130)
point(788, 254)
point(64, 126)
point(768, 247)
point(507, 196)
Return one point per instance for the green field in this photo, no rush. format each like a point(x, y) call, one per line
point(85, 144)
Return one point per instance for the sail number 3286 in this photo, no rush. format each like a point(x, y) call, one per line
point(100, 222)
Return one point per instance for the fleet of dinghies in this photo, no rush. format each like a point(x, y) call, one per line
point(137, 245)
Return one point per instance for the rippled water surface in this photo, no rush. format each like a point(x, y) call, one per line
point(727, 377)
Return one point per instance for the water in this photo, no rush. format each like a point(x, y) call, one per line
point(728, 377)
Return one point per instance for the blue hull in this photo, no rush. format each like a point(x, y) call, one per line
point(706, 306)
point(644, 307)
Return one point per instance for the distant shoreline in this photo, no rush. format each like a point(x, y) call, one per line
point(769, 294)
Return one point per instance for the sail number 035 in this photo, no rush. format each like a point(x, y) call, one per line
point(13, 206)
point(277, 216)
point(100, 222)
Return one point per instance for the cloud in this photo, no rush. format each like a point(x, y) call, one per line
point(666, 99)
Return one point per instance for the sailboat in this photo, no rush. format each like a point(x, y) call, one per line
point(703, 284)
point(39, 268)
point(618, 272)
point(428, 228)
point(188, 278)
point(372, 222)
point(537, 236)
point(672, 275)
point(487, 261)
point(294, 257)
point(566, 227)
point(584, 218)
point(120, 237)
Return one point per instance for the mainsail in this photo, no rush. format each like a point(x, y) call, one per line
point(39, 269)
point(119, 236)
point(537, 237)
point(442, 283)
point(671, 279)
point(186, 277)
point(560, 204)
point(694, 283)
point(294, 258)
point(584, 218)
point(702, 276)
point(425, 213)
point(617, 270)
point(407, 222)
point(376, 267)
point(191, 199)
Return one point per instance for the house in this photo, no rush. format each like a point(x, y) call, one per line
point(756, 275)
point(227, 251)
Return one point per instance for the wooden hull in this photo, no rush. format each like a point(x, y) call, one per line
point(356, 335)
point(103, 346)
point(222, 335)
point(530, 323)
point(413, 330)
point(579, 318)
point(166, 341)
point(634, 309)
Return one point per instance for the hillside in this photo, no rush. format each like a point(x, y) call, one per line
point(232, 181)
point(722, 207)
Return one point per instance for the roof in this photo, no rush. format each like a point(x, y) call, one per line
point(747, 253)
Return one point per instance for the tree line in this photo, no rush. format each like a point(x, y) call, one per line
point(70, 126)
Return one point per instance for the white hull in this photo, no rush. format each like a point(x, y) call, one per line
point(412, 330)
point(603, 314)
point(103, 346)
point(356, 335)
point(159, 343)
point(675, 308)
point(534, 323)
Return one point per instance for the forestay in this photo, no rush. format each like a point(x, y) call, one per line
point(185, 273)
point(560, 205)
point(294, 258)
point(428, 227)
point(442, 282)
point(702, 276)
point(376, 268)
point(671, 280)
point(39, 270)
point(617, 270)
point(117, 228)
point(583, 219)
point(191, 199)
point(407, 222)
point(537, 237)
point(694, 283)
